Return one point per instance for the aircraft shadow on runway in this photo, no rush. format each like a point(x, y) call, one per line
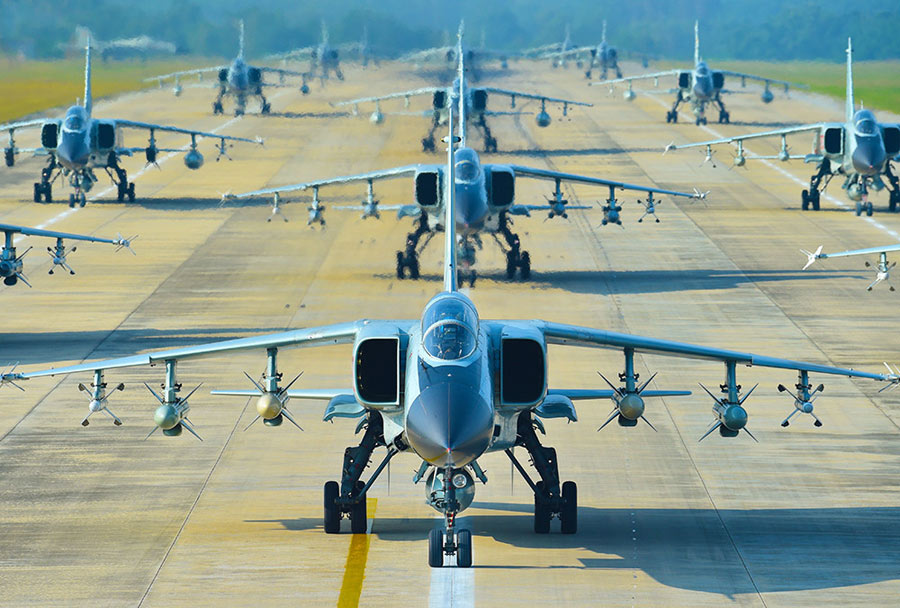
point(52, 347)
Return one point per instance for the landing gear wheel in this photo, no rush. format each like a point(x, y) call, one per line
point(332, 513)
point(894, 200)
point(859, 208)
point(672, 116)
point(525, 266)
point(358, 521)
point(130, 192)
point(814, 199)
point(511, 265)
point(72, 201)
point(464, 549)
point(541, 511)
point(569, 513)
point(472, 278)
point(490, 144)
point(38, 191)
point(804, 197)
point(266, 108)
point(428, 144)
point(413, 268)
point(724, 117)
point(82, 199)
point(436, 548)
point(239, 111)
point(401, 274)
point(121, 191)
point(217, 107)
point(869, 209)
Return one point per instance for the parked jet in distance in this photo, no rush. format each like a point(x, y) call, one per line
point(860, 149)
point(323, 57)
point(447, 389)
point(11, 265)
point(79, 143)
point(701, 86)
point(239, 80)
point(603, 55)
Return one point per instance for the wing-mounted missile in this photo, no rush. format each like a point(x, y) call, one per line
point(11, 263)
point(649, 207)
point(629, 399)
point(99, 398)
point(171, 415)
point(804, 398)
point(315, 211)
point(9, 376)
point(271, 397)
point(812, 256)
point(731, 417)
point(612, 209)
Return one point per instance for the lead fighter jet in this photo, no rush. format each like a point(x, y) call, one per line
point(700, 87)
point(860, 149)
point(486, 195)
point(79, 143)
point(446, 389)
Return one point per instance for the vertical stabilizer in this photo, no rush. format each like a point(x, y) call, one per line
point(603, 35)
point(324, 32)
point(88, 98)
point(450, 268)
point(696, 42)
point(463, 89)
point(241, 40)
point(851, 108)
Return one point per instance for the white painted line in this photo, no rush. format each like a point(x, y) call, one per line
point(452, 587)
point(791, 177)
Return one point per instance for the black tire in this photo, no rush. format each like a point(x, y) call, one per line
point(814, 199)
point(569, 513)
point(71, 200)
point(541, 511)
point(358, 515)
point(436, 548)
point(674, 115)
point(37, 192)
point(401, 265)
point(668, 117)
point(525, 266)
point(332, 513)
point(858, 208)
point(869, 209)
point(472, 278)
point(130, 192)
point(804, 197)
point(464, 549)
point(121, 190)
point(892, 202)
point(414, 268)
point(48, 193)
point(82, 199)
point(510, 265)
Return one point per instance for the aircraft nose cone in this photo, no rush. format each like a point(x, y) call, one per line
point(73, 151)
point(868, 159)
point(449, 424)
point(470, 213)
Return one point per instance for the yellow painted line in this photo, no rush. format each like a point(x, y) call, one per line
point(355, 569)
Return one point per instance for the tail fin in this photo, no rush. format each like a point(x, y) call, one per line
point(603, 36)
point(324, 32)
point(460, 76)
point(88, 98)
point(696, 42)
point(851, 107)
point(241, 40)
point(450, 266)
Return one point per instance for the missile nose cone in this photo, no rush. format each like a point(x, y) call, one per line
point(165, 417)
point(735, 417)
point(631, 406)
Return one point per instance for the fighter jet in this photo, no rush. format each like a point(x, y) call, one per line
point(79, 143)
point(239, 80)
point(603, 55)
point(449, 53)
point(446, 389)
point(882, 266)
point(557, 52)
point(700, 86)
point(120, 48)
point(486, 196)
point(11, 265)
point(475, 99)
point(323, 57)
point(860, 149)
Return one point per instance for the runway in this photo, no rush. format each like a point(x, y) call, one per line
point(97, 516)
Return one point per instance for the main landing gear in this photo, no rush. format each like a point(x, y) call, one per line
point(409, 259)
point(348, 499)
point(672, 115)
point(124, 189)
point(490, 142)
point(44, 188)
point(449, 541)
point(551, 499)
point(724, 116)
point(810, 198)
point(894, 200)
point(516, 259)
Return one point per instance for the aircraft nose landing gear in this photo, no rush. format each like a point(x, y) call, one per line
point(449, 541)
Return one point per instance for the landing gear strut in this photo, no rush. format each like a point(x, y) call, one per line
point(490, 142)
point(672, 115)
point(449, 541)
point(45, 186)
point(894, 199)
point(124, 189)
point(724, 116)
point(516, 259)
point(349, 498)
point(409, 259)
point(550, 499)
point(810, 198)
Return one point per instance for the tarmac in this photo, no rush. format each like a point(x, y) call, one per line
point(98, 516)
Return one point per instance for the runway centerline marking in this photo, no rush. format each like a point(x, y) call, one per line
point(357, 556)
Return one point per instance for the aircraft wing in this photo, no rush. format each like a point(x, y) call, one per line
point(281, 72)
point(630, 79)
point(427, 54)
point(404, 94)
point(24, 230)
point(569, 52)
point(767, 81)
point(514, 94)
point(346, 179)
point(812, 256)
point(293, 53)
point(558, 333)
point(596, 181)
point(131, 124)
point(12, 126)
point(162, 77)
point(343, 333)
point(739, 138)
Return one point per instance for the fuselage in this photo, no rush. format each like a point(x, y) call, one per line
point(702, 88)
point(73, 149)
point(238, 79)
point(865, 153)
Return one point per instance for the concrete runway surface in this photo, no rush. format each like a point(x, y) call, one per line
point(97, 516)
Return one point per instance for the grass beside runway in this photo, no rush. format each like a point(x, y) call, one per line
point(35, 86)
